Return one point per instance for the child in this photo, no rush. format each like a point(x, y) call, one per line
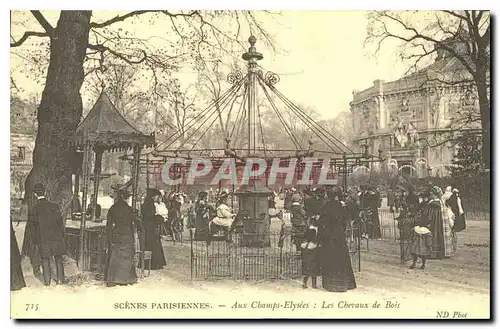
point(310, 263)
point(161, 209)
point(421, 241)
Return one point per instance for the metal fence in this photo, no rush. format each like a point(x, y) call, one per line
point(276, 258)
point(95, 251)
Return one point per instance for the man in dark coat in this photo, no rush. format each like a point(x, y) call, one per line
point(50, 238)
point(455, 203)
point(90, 208)
point(412, 201)
point(369, 200)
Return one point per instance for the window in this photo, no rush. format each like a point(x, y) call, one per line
point(21, 152)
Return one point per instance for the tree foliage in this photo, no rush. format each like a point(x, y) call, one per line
point(468, 161)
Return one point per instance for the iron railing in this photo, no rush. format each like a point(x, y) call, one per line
point(95, 251)
point(276, 258)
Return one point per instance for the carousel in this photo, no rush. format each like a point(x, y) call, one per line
point(245, 144)
point(103, 130)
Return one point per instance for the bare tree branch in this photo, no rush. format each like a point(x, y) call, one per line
point(416, 35)
point(136, 13)
point(455, 14)
point(43, 22)
point(126, 58)
point(25, 37)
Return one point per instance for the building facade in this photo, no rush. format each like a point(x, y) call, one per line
point(413, 120)
point(21, 160)
point(22, 143)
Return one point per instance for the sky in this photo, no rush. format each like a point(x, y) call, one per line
point(322, 57)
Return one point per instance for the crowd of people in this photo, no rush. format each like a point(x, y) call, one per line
point(431, 220)
point(318, 231)
point(44, 238)
point(361, 205)
point(319, 216)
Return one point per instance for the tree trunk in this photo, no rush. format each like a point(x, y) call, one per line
point(484, 108)
point(60, 109)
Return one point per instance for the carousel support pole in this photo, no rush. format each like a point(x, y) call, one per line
point(147, 170)
point(86, 161)
point(344, 180)
point(232, 198)
point(135, 175)
point(97, 178)
point(135, 183)
point(76, 189)
point(359, 248)
point(252, 57)
point(179, 185)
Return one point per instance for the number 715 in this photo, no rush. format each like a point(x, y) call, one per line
point(31, 307)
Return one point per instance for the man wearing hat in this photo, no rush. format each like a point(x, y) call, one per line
point(90, 209)
point(455, 203)
point(50, 238)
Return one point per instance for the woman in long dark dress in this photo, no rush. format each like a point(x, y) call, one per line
point(374, 202)
point(151, 223)
point(120, 269)
point(16, 271)
point(442, 245)
point(203, 211)
point(336, 269)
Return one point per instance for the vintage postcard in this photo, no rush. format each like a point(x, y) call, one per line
point(250, 164)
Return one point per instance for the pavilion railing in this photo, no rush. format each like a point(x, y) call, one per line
point(95, 251)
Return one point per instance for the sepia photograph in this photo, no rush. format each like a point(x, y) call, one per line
point(250, 164)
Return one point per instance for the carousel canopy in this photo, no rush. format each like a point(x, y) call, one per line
point(248, 132)
point(106, 127)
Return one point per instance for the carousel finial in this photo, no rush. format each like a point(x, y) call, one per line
point(252, 40)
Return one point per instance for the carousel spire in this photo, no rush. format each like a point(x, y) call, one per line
point(252, 56)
